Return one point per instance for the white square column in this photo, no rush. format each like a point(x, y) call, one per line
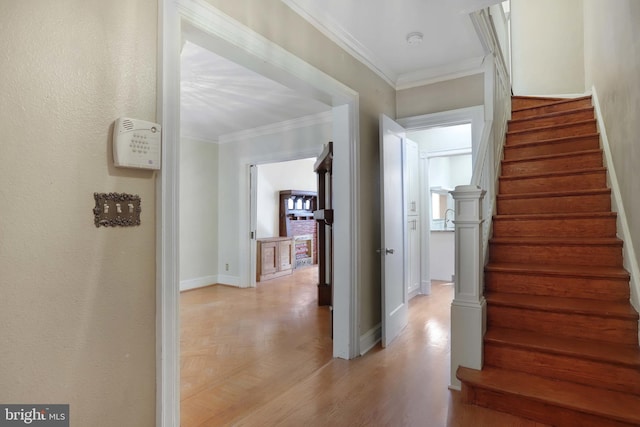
point(468, 309)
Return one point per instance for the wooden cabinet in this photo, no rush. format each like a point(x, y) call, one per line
point(276, 258)
point(295, 205)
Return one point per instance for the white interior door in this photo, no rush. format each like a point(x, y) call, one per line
point(394, 292)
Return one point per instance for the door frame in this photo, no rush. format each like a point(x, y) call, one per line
point(473, 115)
point(270, 60)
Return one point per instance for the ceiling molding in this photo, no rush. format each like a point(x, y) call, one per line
point(337, 34)
point(444, 118)
point(198, 139)
point(468, 67)
point(324, 23)
point(281, 127)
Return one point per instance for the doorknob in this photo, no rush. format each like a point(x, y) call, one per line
point(386, 251)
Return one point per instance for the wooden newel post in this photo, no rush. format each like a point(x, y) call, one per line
point(468, 309)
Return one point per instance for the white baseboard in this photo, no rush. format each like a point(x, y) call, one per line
point(370, 338)
point(629, 253)
point(201, 282)
point(425, 287)
point(415, 292)
point(198, 282)
point(229, 280)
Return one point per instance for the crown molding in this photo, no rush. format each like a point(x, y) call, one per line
point(280, 127)
point(197, 139)
point(467, 67)
point(337, 34)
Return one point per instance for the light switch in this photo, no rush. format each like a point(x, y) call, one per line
point(108, 211)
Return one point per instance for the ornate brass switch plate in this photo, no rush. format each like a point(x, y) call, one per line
point(116, 209)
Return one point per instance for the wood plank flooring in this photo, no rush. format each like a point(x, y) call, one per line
point(262, 357)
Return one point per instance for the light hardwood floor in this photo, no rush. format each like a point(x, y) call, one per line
point(262, 357)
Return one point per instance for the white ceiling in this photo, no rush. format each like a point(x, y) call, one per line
point(375, 31)
point(219, 97)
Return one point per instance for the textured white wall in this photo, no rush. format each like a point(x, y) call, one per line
point(198, 210)
point(78, 302)
point(547, 39)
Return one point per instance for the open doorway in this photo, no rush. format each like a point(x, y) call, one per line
point(446, 163)
point(285, 198)
point(439, 139)
point(239, 43)
point(427, 163)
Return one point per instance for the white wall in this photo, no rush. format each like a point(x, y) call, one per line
point(442, 255)
point(547, 38)
point(450, 171)
point(234, 160)
point(78, 303)
point(443, 138)
point(442, 96)
point(198, 213)
point(461, 170)
point(612, 65)
point(276, 177)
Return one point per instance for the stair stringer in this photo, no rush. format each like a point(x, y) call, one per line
point(630, 260)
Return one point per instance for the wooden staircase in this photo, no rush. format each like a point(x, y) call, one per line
point(561, 345)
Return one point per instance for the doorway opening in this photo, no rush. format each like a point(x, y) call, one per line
point(446, 156)
point(237, 42)
point(408, 221)
point(446, 144)
point(285, 198)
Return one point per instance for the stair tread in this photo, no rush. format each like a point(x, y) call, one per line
point(556, 216)
point(556, 173)
point(551, 114)
point(540, 297)
point(596, 191)
point(517, 145)
point(622, 310)
point(552, 101)
point(586, 271)
point(620, 354)
point(553, 156)
point(591, 400)
point(565, 241)
point(556, 126)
